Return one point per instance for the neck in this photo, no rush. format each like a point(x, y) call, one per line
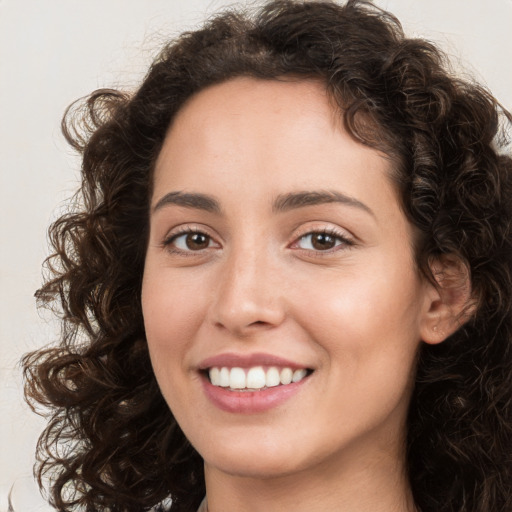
point(359, 483)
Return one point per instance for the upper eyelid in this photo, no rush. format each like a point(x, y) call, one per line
point(322, 227)
point(183, 229)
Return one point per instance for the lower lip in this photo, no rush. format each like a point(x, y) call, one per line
point(250, 402)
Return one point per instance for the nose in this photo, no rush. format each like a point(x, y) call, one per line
point(249, 294)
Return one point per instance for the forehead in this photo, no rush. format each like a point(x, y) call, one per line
point(249, 135)
point(278, 96)
point(233, 113)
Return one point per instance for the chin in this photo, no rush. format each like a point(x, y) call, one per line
point(265, 465)
point(252, 456)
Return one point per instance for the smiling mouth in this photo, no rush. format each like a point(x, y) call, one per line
point(256, 378)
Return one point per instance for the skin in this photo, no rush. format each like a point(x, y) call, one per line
point(354, 313)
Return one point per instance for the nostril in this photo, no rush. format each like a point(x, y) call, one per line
point(259, 324)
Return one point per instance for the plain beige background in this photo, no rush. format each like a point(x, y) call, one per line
point(54, 51)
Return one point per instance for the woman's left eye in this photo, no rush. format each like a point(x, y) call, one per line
point(321, 241)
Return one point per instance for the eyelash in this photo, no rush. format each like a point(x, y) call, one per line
point(169, 240)
point(344, 242)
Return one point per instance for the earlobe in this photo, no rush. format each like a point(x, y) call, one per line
point(449, 300)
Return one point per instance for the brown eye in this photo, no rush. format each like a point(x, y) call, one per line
point(321, 241)
point(191, 241)
point(197, 241)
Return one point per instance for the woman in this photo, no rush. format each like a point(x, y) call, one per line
point(286, 282)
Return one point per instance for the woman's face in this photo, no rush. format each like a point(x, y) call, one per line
point(278, 251)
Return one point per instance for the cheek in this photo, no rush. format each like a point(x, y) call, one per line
point(173, 312)
point(380, 300)
point(364, 319)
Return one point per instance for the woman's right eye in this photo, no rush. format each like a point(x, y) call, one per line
point(190, 241)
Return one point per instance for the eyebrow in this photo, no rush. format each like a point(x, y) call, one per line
point(287, 202)
point(195, 200)
point(283, 202)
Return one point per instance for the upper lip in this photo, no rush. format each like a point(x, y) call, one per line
point(231, 360)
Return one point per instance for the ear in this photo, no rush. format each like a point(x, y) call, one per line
point(449, 301)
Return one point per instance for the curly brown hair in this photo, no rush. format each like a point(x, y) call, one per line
point(111, 442)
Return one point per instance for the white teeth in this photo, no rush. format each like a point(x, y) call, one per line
point(237, 379)
point(224, 377)
point(286, 376)
point(298, 375)
point(215, 376)
point(254, 378)
point(272, 378)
